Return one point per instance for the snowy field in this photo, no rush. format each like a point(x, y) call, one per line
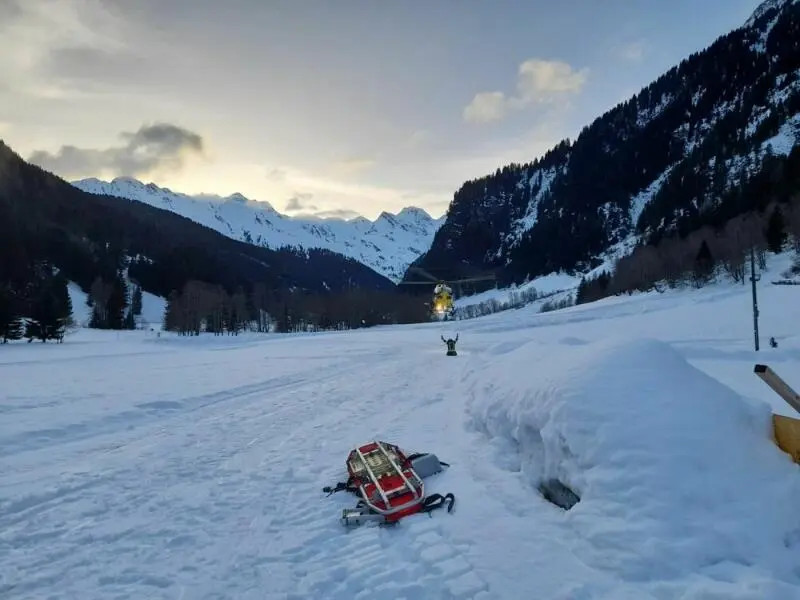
point(142, 467)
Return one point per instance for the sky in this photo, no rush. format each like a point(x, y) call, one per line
point(321, 107)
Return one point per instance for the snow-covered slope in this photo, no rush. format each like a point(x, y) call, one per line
point(387, 245)
point(669, 158)
point(204, 479)
point(152, 316)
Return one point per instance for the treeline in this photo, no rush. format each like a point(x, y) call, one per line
point(698, 130)
point(115, 304)
point(701, 256)
point(35, 304)
point(203, 307)
point(516, 299)
point(88, 239)
point(114, 249)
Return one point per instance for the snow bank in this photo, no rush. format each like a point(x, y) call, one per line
point(679, 479)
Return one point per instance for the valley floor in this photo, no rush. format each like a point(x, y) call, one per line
point(136, 466)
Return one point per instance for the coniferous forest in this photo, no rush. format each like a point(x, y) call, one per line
point(51, 233)
point(702, 167)
point(714, 138)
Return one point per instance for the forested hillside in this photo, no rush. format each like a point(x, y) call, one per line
point(714, 138)
point(51, 232)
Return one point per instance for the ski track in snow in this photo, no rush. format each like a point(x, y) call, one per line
point(188, 469)
point(219, 492)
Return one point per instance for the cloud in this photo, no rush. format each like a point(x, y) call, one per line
point(276, 174)
point(352, 166)
point(10, 9)
point(34, 31)
point(300, 201)
point(417, 138)
point(538, 82)
point(153, 148)
point(339, 198)
point(632, 52)
point(486, 107)
point(336, 213)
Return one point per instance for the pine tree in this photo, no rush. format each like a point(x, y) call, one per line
point(238, 315)
point(286, 322)
point(130, 321)
point(10, 318)
point(117, 302)
point(703, 265)
point(775, 232)
point(99, 293)
point(51, 308)
point(170, 317)
point(136, 300)
point(63, 307)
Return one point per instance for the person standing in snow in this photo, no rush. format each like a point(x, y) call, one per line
point(451, 345)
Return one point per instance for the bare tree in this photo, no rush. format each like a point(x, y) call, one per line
point(260, 303)
point(732, 250)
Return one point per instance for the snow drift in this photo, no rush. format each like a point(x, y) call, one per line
point(142, 466)
point(677, 474)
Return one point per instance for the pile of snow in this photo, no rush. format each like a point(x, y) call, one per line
point(139, 466)
point(683, 494)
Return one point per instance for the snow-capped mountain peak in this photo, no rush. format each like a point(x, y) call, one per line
point(763, 8)
point(388, 244)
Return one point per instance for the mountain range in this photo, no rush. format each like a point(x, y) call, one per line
point(387, 245)
point(701, 166)
point(711, 139)
point(48, 226)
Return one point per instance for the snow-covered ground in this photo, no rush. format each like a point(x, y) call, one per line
point(545, 285)
point(136, 466)
point(553, 286)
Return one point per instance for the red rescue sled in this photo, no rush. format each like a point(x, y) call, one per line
point(388, 484)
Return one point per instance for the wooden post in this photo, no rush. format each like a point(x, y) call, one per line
point(785, 430)
point(778, 385)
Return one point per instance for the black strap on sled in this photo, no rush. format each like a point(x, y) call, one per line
point(351, 485)
point(435, 501)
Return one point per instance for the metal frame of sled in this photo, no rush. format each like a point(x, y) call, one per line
point(389, 484)
point(385, 468)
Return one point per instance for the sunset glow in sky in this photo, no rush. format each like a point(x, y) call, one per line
point(333, 108)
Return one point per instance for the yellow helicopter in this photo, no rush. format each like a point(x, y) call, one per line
point(442, 303)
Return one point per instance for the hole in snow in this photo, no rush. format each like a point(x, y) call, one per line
point(558, 493)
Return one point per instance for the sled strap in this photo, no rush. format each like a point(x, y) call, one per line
point(349, 486)
point(435, 501)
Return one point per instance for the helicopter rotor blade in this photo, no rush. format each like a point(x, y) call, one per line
point(471, 279)
point(423, 272)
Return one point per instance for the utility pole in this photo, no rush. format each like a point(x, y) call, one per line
point(753, 280)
